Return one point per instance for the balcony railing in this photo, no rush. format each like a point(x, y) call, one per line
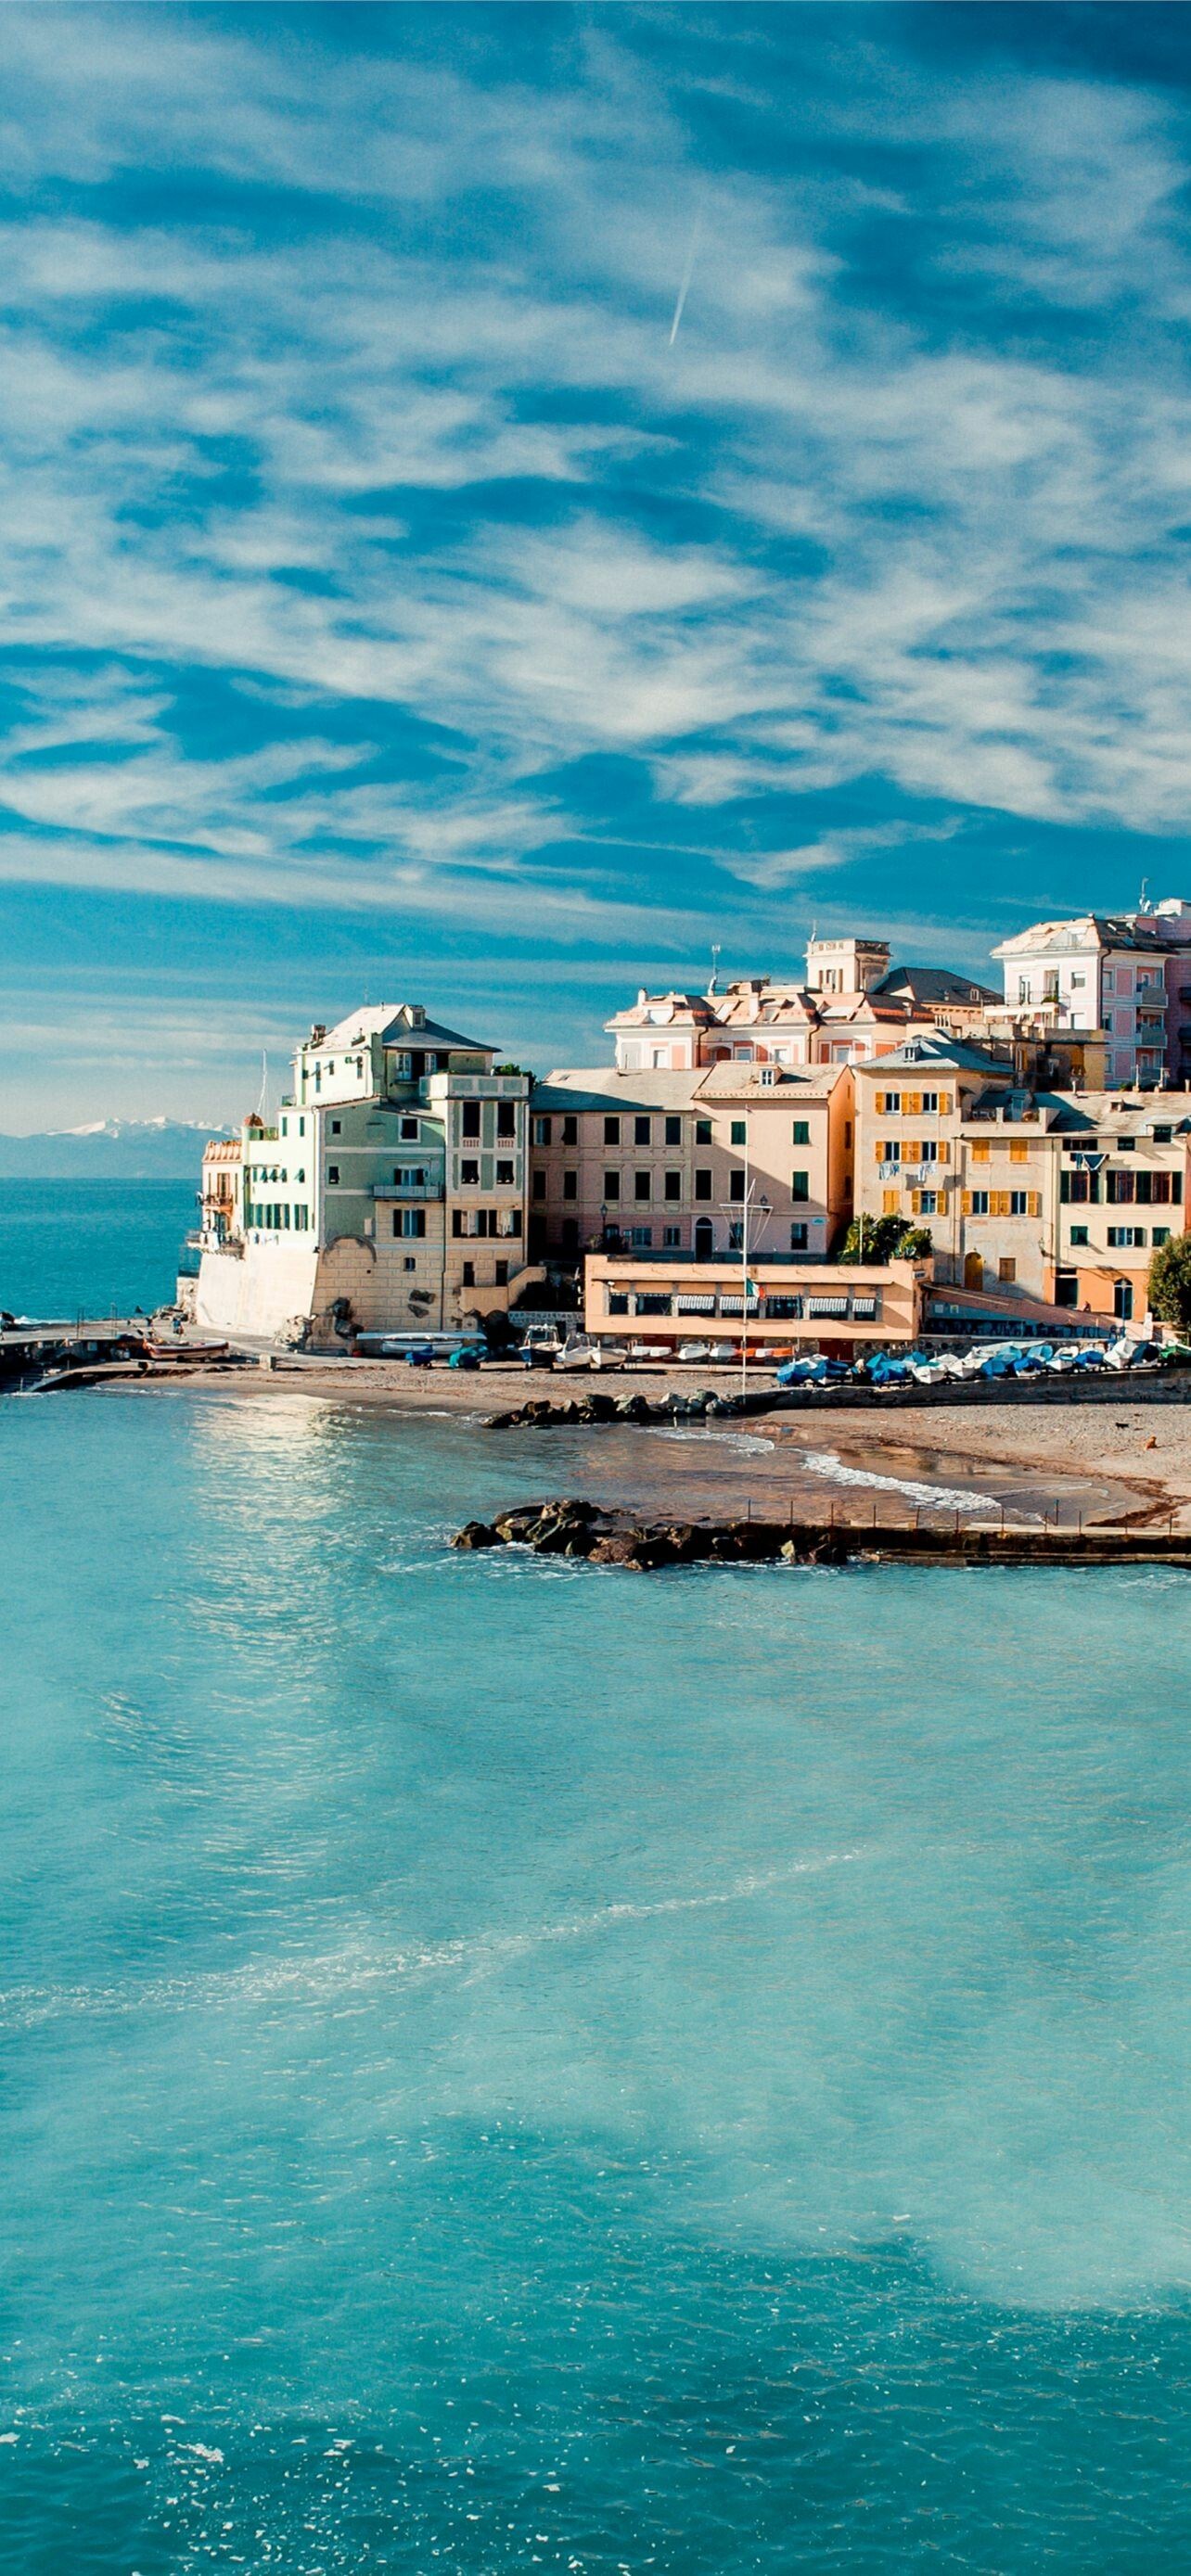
point(430, 1188)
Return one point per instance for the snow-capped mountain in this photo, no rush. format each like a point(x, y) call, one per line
point(116, 1149)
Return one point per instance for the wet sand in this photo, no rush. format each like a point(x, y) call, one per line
point(1062, 1463)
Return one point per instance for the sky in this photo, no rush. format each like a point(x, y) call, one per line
point(499, 502)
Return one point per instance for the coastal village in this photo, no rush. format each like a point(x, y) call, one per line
point(836, 1164)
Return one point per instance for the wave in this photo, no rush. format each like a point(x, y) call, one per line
point(951, 1498)
point(357, 1966)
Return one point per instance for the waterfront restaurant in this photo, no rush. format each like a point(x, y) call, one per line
point(838, 1308)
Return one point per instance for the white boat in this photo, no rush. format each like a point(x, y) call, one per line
point(582, 1351)
point(650, 1351)
point(700, 1351)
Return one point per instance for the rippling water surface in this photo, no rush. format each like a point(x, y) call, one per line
point(509, 2066)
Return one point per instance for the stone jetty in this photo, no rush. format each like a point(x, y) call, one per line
point(576, 1528)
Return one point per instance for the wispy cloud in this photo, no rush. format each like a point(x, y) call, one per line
point(390, 532)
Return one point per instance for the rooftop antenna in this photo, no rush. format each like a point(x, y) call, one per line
point(1142, 904)
point(260, 1106)
point(715, 968)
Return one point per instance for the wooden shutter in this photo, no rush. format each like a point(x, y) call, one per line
point(944, 1150)
point(889, 1206)
point(944, 1104)
point(967, 1203)
point(1035, 1200)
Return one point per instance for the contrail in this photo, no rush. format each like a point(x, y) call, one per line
point(686, 279)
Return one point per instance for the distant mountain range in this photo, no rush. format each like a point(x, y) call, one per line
point(111, 1149)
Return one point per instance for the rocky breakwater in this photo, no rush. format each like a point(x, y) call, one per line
point(538, 1414)
point(580, 1529)
point(576, 1528)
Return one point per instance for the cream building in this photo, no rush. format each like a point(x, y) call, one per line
point(389, 1195)
point(657, 1163)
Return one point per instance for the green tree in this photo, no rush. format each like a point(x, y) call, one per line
point(917, 1244)
point(1170, 1282)
point(873, 1238)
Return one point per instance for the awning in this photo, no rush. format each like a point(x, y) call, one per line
point(694, 1305)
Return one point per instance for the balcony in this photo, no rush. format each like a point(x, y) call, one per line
point(431, 1187)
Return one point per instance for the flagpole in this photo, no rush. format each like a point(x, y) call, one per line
point(744, 1268)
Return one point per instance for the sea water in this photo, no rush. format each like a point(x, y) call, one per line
point(509, 2066)
point(91, 1248)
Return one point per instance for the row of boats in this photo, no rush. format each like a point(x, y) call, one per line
point(987, 1360)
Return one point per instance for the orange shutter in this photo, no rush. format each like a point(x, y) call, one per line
point(889, 1205)
point(944, 1150)
point(1035, 1197)
point(1019, 1153)
point(944, 1104)
point(981, 1153)
point(967, 1203)
point(911, 1104)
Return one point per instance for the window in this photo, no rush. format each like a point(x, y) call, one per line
point(541, 1131)
point(570, 1185)
point(703, 1185)
point(889, 1203)
point(1162, 1135)
point(930, 1103)
point(736, 1236)
point(927, 1151)
point(1079, 1234)
point(302, 1130)
point(888, 1103)
point(641, 1131)
point(800, 1186)
point(337, 1126)
point(470, 1121)
point(674, 1131)
point(740, 1131)
point(408, 1131)
point(469, 1274)
point(671, 1237)
point(981, 1153)
point(1160, 1235)
point(413, 1223)
point(925, 1202)
point(538, 1185)
point(642, 1185)
point(702, 1131)
point(768, 1078)
point(570, 1130)
point(506, 1118)
point(1120, 1189)
point(847, 1133)
point(979, 1206)
point(801, 1132)
point(502, 1274)
point(504, 1176)
point(1007, 1273)
point(469, 1173)
point(612, 1186)
point(1018, 1203)
point(889, 1150)
point(1019, 1152)
point(672, 1185)
point(612, 1131)
point(1126, 1237)
point(798, 1239)
point(410, 1262)
point(333, 1176)
point(285, 1126)
point(641, 1239)
point(736, 1185)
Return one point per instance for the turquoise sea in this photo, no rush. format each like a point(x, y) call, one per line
point(91, 1248)
point(508, 2067)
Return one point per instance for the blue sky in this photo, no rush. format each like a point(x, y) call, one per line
point(396, 602)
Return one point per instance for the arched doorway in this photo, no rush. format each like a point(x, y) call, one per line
point(704, 1239)
point(1122, 1300)
point(973, 1270)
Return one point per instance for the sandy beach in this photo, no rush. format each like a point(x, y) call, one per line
point(1107, 1461)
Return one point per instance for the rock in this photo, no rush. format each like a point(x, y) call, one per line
point(564, 1538)
point(477, 1534)
point(618, 1547)
point(599, 1408)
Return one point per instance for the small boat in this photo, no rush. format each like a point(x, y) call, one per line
point(582, 1351)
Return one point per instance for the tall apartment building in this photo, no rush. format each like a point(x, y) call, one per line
point(390, 1194)
point(1127, 975)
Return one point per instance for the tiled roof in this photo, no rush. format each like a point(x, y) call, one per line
point(390, 1020)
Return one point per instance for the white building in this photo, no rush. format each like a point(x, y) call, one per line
point(389, 1195)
